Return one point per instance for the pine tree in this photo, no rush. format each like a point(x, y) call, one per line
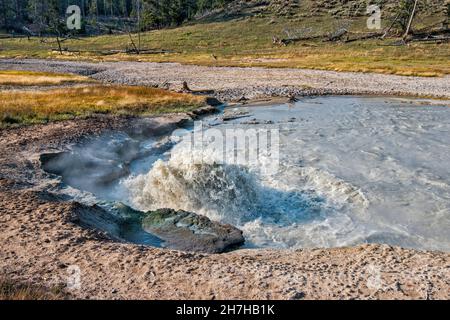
point(49, 14)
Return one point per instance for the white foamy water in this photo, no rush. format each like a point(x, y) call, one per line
point(352, 170)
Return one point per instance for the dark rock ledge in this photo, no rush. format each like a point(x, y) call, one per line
point(179, 230)
point(191, 232)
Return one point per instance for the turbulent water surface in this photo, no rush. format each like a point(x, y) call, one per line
point(351, 170)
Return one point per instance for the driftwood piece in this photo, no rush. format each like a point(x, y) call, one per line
point(187, 89)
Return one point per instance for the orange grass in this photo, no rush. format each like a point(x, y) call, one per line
point(30, 107)
point(29, 78)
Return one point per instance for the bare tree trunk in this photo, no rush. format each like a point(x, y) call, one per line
point(139, 25)
point(133, 44)
point(447, 15)
point(5, 14)
point(386, 32)
point(83, 8)
point(411, 18)
point(59, 44)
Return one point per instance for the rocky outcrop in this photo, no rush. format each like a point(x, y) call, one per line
point(179, 230)
point(191, 232)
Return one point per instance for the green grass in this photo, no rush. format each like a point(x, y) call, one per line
point(32, 107)
point(248, 42)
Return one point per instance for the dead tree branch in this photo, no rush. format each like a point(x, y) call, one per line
point(411, 18)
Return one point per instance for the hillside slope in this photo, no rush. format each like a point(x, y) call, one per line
point(316, 8)
point(242, 34)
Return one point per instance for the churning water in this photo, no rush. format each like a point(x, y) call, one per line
point(352, 170)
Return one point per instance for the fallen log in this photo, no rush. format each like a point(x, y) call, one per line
point(8, 36)
point(435, 39)
point(365, 37)
point(112, 52)
point(187, 89)
point(338, 35)
point(287, 41)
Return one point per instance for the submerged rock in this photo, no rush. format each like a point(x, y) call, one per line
point(191, 232)
point(178, 230)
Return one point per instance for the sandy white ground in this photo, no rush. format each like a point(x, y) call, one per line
point(41, 240)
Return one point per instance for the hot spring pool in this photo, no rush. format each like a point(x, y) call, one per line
point(351, 170)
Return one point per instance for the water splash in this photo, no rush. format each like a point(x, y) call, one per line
point(289, 209)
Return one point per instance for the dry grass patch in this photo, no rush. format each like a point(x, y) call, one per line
point(29, 78)
point(13, 290)
point(25, 107)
